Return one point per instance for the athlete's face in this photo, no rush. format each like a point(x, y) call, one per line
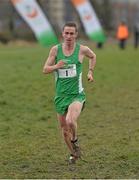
point(69, 34)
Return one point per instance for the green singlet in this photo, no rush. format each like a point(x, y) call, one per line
point(68, 80)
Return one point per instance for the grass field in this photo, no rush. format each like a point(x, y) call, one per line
point(31, 144)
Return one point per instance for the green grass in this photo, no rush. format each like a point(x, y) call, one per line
point(31, 144)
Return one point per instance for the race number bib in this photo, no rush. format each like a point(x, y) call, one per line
point(68, 71)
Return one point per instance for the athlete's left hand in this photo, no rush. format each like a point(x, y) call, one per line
point(90, 77)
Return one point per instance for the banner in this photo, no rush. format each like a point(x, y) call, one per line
point(33, 15)
point(89, 19)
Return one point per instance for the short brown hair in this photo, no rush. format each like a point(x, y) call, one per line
point(71, 24)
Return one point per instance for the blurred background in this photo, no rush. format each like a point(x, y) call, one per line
point(109, 12)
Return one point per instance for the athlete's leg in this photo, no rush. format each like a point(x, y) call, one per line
point(73, 113)
point(66, 131)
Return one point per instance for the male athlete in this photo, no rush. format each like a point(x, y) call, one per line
point(66, 61)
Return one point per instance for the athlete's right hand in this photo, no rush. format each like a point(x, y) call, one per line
point(60, 64)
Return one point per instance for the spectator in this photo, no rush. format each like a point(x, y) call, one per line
point(136, 34)
point(122, 34)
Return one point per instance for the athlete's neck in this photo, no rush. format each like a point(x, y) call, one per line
point(69, 47)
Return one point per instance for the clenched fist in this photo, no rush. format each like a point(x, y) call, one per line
point(60, 64)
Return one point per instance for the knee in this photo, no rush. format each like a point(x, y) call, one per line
point(65, 132)
point(70, 122)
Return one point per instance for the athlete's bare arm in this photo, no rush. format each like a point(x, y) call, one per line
point(86, 51)
point(50, 65)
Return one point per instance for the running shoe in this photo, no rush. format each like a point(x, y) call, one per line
point(72, 159)
point(76, 148)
